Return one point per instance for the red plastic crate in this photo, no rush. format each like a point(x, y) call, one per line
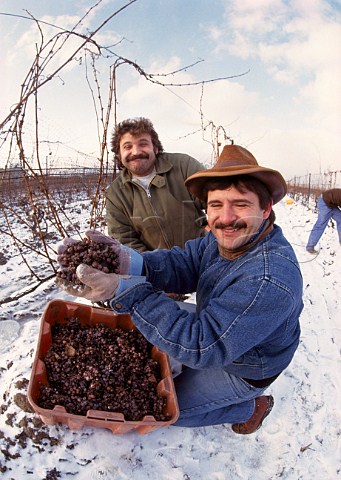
point(56, 312)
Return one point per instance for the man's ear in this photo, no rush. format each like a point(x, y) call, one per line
point(156, 150)
point(267, 211)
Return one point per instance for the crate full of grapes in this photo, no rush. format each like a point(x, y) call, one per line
point(94, 368)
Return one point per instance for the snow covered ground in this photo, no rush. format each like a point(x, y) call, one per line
point(300, 440)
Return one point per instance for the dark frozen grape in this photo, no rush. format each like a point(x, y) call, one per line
point(98, 255)
point(100, 368)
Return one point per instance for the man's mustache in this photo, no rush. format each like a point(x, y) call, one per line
point(137, 157)
point(239, 224)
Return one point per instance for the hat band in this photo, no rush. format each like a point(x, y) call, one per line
point(235, 163)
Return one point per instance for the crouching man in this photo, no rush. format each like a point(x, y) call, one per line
point(245, 329)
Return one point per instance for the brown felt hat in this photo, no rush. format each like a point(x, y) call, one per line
point(236, 160)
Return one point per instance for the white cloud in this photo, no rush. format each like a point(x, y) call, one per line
point(298, 45)
point(258, 17)
point(300, 37)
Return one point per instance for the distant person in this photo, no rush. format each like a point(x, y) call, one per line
point(148, 206)
point(245, 328)
point(328, 206)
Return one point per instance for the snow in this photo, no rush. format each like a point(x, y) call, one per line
point(300, 439)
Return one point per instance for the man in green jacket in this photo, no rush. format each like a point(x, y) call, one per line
point(148, 206)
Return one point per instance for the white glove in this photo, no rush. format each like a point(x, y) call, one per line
point(97, 286)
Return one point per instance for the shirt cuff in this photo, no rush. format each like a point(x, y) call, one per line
point(136, 261)
point(128, 281)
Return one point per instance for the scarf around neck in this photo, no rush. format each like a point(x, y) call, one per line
point(264, 229)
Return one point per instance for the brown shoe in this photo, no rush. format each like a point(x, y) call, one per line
point(263, 406)
point(312, 251)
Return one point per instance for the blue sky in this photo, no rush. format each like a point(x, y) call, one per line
point(286, 109)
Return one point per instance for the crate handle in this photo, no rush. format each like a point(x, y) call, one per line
point(105, 416)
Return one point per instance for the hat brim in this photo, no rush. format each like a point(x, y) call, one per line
point(273, 180)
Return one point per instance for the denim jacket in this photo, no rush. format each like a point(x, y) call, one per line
point(247, 315)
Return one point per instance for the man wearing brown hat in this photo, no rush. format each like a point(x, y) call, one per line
point(245, 328)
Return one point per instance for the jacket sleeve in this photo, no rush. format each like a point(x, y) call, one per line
point(175, 270)
point(121, 228)
point(241, 308)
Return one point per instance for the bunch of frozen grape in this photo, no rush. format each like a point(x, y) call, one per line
point(98, 255)
point(100, 368)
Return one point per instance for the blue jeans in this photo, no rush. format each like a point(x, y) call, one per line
point(324, 215)
point(213, 397)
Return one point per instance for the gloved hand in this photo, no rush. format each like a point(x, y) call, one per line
point(97, 286)
point(130, 261)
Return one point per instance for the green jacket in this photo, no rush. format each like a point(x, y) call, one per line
point(165, 216)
